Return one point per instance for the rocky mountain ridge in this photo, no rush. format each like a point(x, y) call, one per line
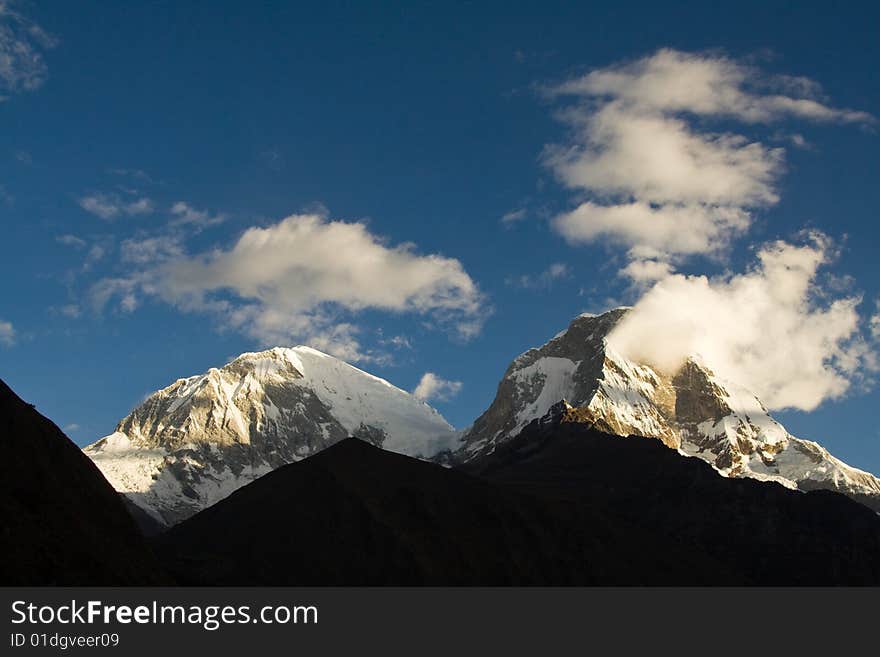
point(693, 411)
point(194, 442)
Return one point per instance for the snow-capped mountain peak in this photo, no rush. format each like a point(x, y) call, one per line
point(195, 441)
point(693, 411)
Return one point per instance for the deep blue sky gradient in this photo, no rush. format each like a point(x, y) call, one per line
point(423, 120)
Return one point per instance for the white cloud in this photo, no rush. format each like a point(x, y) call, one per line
point(514, 216)
point(185, 214)
point(544, 280)
point(71, 240)
point(95, 255)
point(128, 303)
point(108, 288)
point(557, 270)
point(629, 152)
point(7, 333)
point(672, 81)
point(646, 272)
point(653, 177)
point(654, 231)
point(73, 426)
point(150, 250)
point(773, 329)
point(432, 386)
point(296, 279)
point(397, 341)
point(659, 181)
point(71, 310)
point(22, 43)
point(799, 141)
point(110, 206)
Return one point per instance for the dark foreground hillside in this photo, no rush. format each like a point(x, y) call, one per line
point(766, 533)
point(355, 515)
point(562, 505)
point(63, 524)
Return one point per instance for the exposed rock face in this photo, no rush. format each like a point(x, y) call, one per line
point(693, 411)
point(191, 444)
point(612, 393)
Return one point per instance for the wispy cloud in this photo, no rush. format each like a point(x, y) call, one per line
point(186, 215)
point(874, 322)
point(137, 175)
point(22, 44)
point(110, 206)
point(397, 341)
point(433, 387)
point(514, 216)
point(71, 240)
point(543, 280)
point(272, 159)
point(150, 250)
point(94, 255)
point(7, 333)
point(71, 310)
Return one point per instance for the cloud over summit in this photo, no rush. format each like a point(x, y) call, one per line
point(661, 165)
point(772, 328)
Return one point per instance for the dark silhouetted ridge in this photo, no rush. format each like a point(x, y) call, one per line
point(355, 514)
point(765, 532)
point(63, 524)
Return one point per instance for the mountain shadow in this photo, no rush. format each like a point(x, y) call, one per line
point(355, 514)
point(562, 504)
point(764, 532)
point(63, 524)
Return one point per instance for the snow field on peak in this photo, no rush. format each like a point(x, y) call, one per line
point(556, 378)
point(199, 439)
point(358, 398)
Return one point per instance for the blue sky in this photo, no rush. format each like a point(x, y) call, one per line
point(417, 124)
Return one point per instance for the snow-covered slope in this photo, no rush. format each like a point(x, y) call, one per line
point(193, 443)
point(693, 411)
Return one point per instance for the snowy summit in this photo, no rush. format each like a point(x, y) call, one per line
point(194, 442)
